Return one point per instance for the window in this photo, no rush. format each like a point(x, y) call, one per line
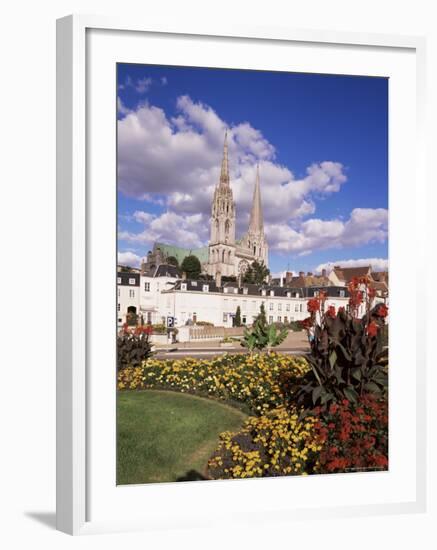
point(120, 320)
point(131, 281)
point(225, 317)
point(194, 283)
point(244, 319)
point(296, 307)
point(287, 307)
point(131, 293)
point(245, 290)
point(254, 304)
point(271, 306)
point(279, 307)
point(263, 292)
point(205, 288)
point(316, 293)
point(341, 293)
point(296, 294)
point(147, 287)
point(288, 294)
point(236, 290)
point(285, 319)
point(183, 286)
point(301, 308)
point(270, 319)
point(118, 292)
point(272, 293)
point(279, 318)
point(119, 280)
point(118, 307)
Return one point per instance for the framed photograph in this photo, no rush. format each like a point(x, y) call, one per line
point(231, 336)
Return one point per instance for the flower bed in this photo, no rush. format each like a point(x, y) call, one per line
point(274, 444)
point(280, 438)
point(260, 382)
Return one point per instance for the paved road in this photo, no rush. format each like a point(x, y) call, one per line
point(179, 353)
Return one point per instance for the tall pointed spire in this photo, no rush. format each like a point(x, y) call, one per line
point(224, 174)
point(256, 224)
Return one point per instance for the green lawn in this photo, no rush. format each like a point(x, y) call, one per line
point(168, 436)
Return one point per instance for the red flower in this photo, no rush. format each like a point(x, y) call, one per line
point(381, 311)
point(372, 329)
point(306, 323)
point(372, 293)
point(331, 312)
point(356, 299)
point(313, 305)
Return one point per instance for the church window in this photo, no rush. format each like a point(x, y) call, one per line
point(254, 250)
point(223, 256)
point(229, 256)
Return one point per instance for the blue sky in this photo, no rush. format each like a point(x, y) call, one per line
point(320, 141)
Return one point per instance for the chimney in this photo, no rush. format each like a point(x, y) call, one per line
point(288, 277)
point(323, 272)
point(309, 274)
point(301, 273)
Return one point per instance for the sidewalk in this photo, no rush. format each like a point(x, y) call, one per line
point(294, 340)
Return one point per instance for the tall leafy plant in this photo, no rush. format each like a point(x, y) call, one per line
point(348, 358)
point(262, 335)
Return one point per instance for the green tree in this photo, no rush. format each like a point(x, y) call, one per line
point(191, 266)
point(172, 260)
point(237, 320)
point(256, 273)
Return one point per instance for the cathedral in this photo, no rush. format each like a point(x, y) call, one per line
point(225, 256)
point(228, 257)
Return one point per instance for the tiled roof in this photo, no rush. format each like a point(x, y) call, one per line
point(348, 273)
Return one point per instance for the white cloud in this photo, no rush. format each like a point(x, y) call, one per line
point(378, 264)
point(143, 85)
point(129, 258)
point(365, 225)
point(190, 231)
point(121, 107)
point(180, 158)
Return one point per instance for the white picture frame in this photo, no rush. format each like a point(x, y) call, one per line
point(74, 213)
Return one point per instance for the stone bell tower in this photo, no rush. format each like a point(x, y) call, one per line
point(221, 250)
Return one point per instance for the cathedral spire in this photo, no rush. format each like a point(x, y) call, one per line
point(224, 174)
point(256, 224)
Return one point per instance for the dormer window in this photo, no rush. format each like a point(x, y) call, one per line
point(245, 290)
point(288, 294)
point(131, 281)
point(272, 293)
point(205, 288)
point(194, 283)
point(235, 290)
point(119, 280)
point(183, 286)
point(263, 292)
point(341, 293)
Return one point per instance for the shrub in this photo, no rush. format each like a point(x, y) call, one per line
point(204, 324)
point(274, 444)
point(352, 436)
point(261, 335)
point(133, 347)
point(347, 356)
point(159, 328)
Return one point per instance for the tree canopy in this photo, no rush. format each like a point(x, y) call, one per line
point(256, 273)
point(191, 266)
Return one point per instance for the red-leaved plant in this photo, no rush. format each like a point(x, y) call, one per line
point(347, 357)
